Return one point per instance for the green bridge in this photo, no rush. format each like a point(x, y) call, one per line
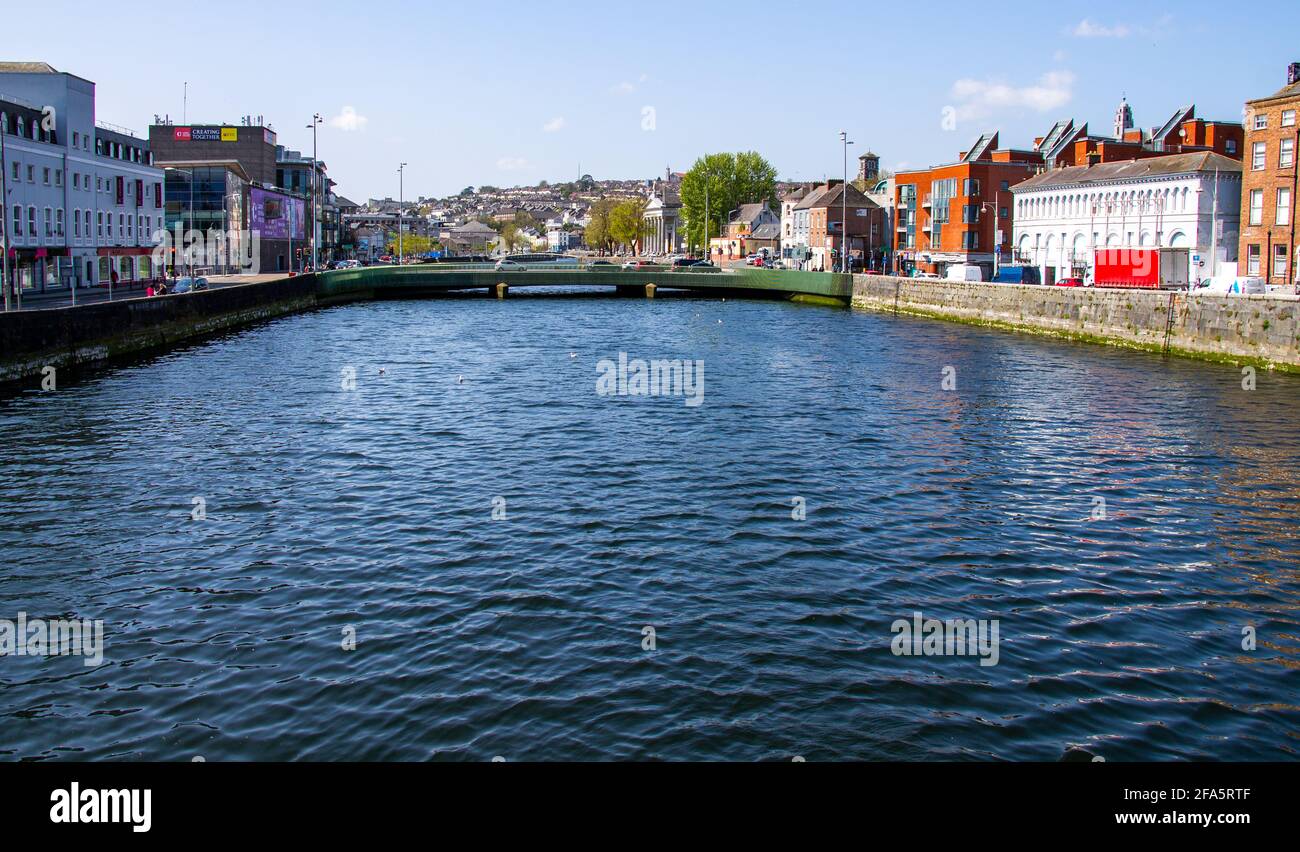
point(422, 279)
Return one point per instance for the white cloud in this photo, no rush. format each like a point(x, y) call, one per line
point(349, 119)
point(1087, 29)
point(511, 164)
point(623, 88)
point(553, 125)
point(979, 98)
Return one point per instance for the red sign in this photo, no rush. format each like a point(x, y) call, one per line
point(181, 134)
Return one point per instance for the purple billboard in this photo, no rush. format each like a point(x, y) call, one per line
point(272, 214)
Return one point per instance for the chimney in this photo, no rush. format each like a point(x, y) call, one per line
point(1292, 73)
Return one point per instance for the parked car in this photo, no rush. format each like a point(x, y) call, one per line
point(636, 264)
point(189, 285)
point(1070, 282)
point(600, 262)
point(924, 275)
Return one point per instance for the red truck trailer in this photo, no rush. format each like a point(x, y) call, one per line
point(1141, 267)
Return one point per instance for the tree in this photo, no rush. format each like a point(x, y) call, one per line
point(868, 185)
point(626, 225)
point(511, 238)
point(731, 180)
point(525, 220)
point(598, 236)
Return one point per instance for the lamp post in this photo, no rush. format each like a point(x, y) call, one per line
point(315, 165)
point(401, 177)
point(844, 206)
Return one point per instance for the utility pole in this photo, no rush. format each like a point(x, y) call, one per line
point(401, 177)
point(707, 256)
point(315, 166)
point(844, 206)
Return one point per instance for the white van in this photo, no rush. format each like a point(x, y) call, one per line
point(965, 272)
point(1235, 285)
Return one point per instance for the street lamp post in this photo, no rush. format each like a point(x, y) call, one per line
point(844, 206)
point(401, 177)
point(315, 165)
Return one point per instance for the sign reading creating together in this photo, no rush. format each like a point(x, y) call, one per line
point(206, 134)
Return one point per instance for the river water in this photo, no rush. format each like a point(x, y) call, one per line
point(474, 553)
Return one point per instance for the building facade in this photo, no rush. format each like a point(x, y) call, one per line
point(1186, 202)
point(1269, 190)
point(83, 199)
point(821, 216)
point(960, 212)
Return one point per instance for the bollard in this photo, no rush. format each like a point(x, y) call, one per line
point(650, 291)
point(501, 290)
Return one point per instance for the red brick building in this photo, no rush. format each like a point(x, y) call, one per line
point(959, 212)
point(1268, 185)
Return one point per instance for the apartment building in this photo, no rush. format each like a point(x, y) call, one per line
point(1269, 192)
point(83, 200)
point(959, 212)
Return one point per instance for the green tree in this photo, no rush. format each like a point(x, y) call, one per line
point(598, 234)
point(511, 238)
point(731, 180)
point(626, 227)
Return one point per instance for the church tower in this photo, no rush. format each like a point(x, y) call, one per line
point(868, 168)
point(1123, 118)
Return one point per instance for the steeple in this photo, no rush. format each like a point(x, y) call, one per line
point(1123, 118)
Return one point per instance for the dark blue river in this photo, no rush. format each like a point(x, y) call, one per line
point(495, 536)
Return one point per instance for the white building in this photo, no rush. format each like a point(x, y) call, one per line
point(1184, 201)
point(83, 198)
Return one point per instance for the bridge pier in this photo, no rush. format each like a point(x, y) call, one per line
point(501, 290)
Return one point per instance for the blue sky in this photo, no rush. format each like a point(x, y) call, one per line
point(508, 93)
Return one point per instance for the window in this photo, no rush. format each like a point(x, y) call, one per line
point(1279, 261)
point(1282, 215)
point(1257, 157)
point(31, 174)
point(45, 176)
point(1230, 146)
point(22, 125)
point(1257, 207)
point(31, 221)
point(1261, 122)
point(1006, 185)
point(76, 139)
point(970, 239)
point(1252, 260)
point(970, 187)
point(76, 224)
point(58, 222)
point(18, 220)
point(87, 223)
point(58, 177)
point(1003, 213)
point(1286, 154)
point(970, 214)
point(99, 223)
point(1288, 118)
point(17, 170)
point(76, 181)
point(49, 222)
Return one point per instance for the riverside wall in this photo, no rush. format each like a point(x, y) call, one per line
point(1258, 330)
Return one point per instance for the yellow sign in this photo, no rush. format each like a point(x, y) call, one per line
point(230, 134)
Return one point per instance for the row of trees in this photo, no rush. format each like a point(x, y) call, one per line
point(616, 224)
point(728, 180)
